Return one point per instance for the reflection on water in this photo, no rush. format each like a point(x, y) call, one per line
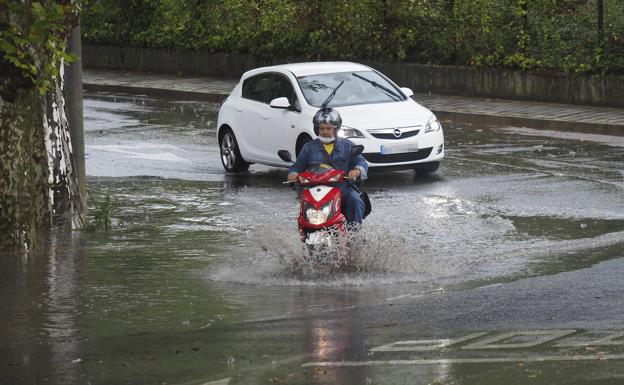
point(123, 115)
point(42, 303)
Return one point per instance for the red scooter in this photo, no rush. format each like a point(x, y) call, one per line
point(321, 222)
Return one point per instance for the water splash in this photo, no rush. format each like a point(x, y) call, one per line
point(277, 256)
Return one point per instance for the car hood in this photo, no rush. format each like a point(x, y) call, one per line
point(384, 115)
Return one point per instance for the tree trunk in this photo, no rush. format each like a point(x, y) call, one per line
point(65, 196)
point(38, 187)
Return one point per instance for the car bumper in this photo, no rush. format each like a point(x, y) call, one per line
point(404, 154)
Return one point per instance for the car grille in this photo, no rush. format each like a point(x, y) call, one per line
point(390, 135)
point(397, 158)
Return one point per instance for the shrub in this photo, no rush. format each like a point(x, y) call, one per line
point(526, 34)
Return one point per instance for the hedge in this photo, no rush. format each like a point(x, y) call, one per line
point(560, 35)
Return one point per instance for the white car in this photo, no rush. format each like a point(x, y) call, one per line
point(271, 109)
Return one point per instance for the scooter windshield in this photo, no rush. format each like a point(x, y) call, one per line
point(319, 169)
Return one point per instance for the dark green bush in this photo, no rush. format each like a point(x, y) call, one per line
point(525, 34)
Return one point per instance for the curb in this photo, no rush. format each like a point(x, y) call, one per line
point(162, 92)
point(540, 124)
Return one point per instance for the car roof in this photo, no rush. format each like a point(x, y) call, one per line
point(312, 68)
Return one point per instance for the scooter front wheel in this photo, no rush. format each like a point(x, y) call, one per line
point(318, 245)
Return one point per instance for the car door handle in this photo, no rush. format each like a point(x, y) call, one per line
point(238, 109)
point(265, 117)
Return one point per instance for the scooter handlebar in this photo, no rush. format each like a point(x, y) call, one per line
point(297, 182)
point(331, 176)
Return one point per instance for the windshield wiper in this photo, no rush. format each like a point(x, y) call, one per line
point(331, 96)
point(387, 90)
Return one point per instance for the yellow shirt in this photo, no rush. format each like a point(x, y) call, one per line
point(329, 148)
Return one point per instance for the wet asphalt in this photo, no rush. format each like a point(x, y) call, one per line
point(503, 267)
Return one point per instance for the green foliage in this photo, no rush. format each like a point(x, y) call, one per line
point(102, 218)
point(33, 35)
point(526, 34)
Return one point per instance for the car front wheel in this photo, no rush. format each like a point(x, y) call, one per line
point(230, 153)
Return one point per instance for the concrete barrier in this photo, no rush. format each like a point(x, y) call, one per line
point(607, 90)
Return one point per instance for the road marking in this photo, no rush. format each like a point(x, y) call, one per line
point(417, 294)
point(401, 296)
point(546, 336)
point(610, 340)
point(131, 151)
point(424, 345)
point(224, 381)
point(443, 361)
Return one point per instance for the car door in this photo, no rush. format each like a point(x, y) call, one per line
point(280, 127)
point(252, 113)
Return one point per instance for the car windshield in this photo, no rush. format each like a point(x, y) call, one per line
point(362, 87)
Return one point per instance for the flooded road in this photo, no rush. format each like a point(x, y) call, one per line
point(506, 265)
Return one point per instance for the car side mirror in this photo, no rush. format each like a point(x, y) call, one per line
point(356, 150)
point(407, 92)
point(281, 102)
point(285, 155)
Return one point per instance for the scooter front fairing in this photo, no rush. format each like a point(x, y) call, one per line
point(320, 211)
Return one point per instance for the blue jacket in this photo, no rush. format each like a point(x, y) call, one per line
point(312, 154)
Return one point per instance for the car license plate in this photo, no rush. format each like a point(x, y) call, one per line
point(385, 149)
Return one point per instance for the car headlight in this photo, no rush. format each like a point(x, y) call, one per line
point(433, 125)
point(348, 132)
point(317, 217)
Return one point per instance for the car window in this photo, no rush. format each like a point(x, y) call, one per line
point(361, 87)
point(257, 87)
point(282, 87)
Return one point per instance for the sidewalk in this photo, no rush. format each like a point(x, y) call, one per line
point(456, 108)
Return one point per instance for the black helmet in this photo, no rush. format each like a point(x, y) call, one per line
point(326, 115)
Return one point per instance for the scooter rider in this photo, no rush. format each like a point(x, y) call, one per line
point(330, 151)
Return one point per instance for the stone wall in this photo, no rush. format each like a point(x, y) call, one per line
point(452, 80)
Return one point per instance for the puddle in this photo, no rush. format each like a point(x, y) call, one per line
point(564, 228)
point(609, 140)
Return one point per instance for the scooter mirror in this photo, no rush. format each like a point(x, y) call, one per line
point(285, 156)
point(356, 150)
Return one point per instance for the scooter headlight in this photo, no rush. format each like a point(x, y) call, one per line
point(317, 217)
point(335, 178)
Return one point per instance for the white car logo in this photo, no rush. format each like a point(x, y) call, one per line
point(396, 133)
